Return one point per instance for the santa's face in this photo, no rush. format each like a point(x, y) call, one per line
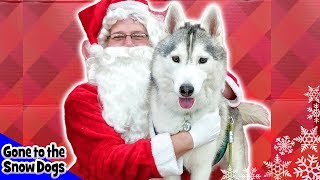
point(128, 33)
point(122, 76)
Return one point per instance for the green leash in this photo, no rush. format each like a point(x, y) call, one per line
point(230, 127)
point(228, 140)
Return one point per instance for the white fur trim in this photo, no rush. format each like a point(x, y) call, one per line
point(129, 4)
point(95, 50)
point(237, 90)
point(164, 156)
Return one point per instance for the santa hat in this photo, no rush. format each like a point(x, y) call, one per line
point(98, 18)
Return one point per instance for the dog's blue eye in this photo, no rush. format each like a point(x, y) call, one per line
point(203, 60)
point(176, 59)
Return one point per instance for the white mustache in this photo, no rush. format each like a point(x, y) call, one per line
point(104, 59)
point(109, 55)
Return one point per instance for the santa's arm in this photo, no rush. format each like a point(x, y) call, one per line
point(232, 91)
point(102, 153)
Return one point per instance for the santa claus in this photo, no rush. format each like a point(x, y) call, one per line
point(107, 118)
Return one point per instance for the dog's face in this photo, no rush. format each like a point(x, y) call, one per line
point(189, 64)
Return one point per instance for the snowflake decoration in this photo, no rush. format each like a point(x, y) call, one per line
point(228, 174)
point(308, 139)
point(313, 94)
point(309, 168)
point(284, 145)
point(278, 168)
point(314, 112)
point(241, 174)
point(253, 174)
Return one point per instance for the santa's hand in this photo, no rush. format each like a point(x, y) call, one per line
point(206, 129)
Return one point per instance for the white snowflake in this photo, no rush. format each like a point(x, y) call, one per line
point(278, 168)
point(308, 170)
point(253, 174)
point(314, 113)
point(308, 139)
point(313, 94)
point(228, 174)
point(284, 145)
point(241, 174)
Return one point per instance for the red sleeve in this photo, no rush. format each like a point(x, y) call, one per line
point(101, 152)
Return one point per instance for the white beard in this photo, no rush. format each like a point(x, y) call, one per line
point(122, 75)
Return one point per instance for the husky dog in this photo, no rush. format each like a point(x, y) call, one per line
point(188, 74)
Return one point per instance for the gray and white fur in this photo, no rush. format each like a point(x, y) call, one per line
point(199, 72)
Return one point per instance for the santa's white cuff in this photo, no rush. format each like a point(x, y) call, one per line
point(164, 156)
point(237, 91)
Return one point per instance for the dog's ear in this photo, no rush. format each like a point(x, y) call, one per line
point(174, 18)
point(211, 21)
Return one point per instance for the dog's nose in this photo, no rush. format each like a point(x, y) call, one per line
point(186, 90)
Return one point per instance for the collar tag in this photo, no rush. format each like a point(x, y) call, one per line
point(186, 126)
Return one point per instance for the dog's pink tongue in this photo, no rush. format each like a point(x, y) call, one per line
point(186, 103)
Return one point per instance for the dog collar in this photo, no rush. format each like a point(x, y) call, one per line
point(185, 127)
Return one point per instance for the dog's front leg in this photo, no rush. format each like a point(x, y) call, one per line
point(200, 162)
point(203, 172)
point(240, 155)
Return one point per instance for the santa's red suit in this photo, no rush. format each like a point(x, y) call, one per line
point(101, 151)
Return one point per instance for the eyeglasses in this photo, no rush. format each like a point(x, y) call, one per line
point(134, 36)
